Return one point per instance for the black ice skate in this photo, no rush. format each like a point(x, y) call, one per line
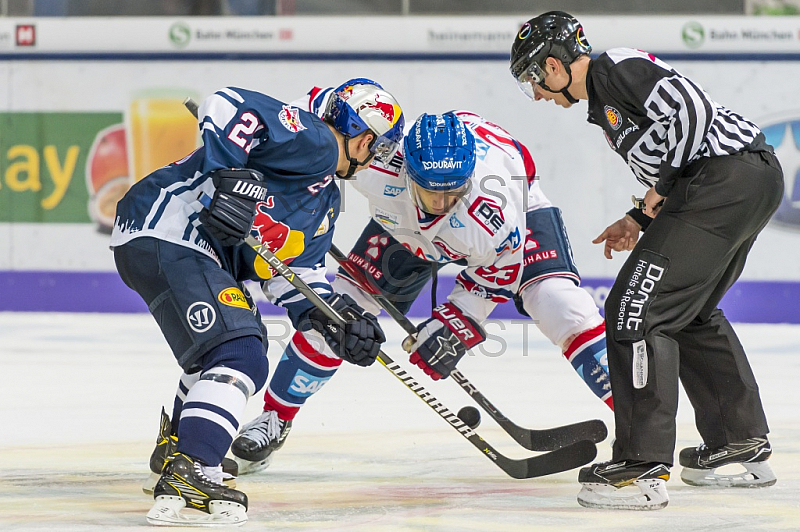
point(185, 483)
point(166, 444)
point(257, 441)
point(699, 464)
point(602, 485)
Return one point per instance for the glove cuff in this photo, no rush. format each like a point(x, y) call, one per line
point(465, 328)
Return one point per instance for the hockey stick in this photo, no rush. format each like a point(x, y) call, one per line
point(532, 439)
point(563, 459)
point(566, 458)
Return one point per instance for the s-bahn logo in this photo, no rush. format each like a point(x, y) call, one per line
point(784, 136)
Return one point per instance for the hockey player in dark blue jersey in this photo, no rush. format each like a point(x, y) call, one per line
point(265, 169)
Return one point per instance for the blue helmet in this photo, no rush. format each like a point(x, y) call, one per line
point(439, 152)
point(361, 105)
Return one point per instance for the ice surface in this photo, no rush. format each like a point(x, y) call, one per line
point(81, 394)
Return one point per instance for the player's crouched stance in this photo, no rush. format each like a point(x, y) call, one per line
point(265, 172)
point(456, 193)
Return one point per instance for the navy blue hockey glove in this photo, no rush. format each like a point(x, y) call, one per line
point(358, 342)
point(230, 215)
point(443, 339)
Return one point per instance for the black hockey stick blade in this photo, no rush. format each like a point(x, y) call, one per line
point(569, 457)
point(593, 430)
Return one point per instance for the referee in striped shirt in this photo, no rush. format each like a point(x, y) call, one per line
point(712, 183)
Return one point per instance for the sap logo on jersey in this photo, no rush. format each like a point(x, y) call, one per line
point(392, 191)
point(201, 316)
point(305, 385)
point(784, 136)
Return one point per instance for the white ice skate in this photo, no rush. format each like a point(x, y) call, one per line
point(190, 494)
point(258, 440)
point(167, 511)
point(624, 485)
point(700, 465)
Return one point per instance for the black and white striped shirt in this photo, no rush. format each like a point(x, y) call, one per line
point(658, 120)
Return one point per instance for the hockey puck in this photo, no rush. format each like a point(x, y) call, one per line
point(470, 416)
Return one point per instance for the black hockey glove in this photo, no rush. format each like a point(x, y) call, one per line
point(443, 339)
point(358, 342)
point(230, 215)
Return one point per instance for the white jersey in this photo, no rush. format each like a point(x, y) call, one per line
point(485, 230)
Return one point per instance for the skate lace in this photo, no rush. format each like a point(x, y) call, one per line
point(210, 474)
point(265, 428)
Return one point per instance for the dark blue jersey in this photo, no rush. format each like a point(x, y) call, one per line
point(297, 154)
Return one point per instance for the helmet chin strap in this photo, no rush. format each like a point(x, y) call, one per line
point(354, 163)
point(565, 91)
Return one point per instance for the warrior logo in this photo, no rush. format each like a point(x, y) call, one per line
point(290, 118)
point(201, 316)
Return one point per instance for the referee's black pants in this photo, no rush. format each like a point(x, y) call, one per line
point(662, 319)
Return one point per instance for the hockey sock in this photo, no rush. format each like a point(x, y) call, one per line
point(184, 385)
point(587, 354)
point(301, 372)
point(215, 403)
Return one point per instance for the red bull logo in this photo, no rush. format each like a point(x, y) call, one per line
point(279, 238)
point(390, 111)
point(290, 118)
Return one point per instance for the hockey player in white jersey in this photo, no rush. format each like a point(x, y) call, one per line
point(462, 192)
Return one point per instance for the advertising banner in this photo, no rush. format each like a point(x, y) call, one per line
point(88, 106)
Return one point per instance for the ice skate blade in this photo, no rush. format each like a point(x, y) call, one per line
point(150, 483)
point(756, 475)
point(167, 511)
point(652, 496)
point(246, 467)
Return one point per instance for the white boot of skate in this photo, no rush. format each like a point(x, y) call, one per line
point(755, 475)
point(645, 494)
